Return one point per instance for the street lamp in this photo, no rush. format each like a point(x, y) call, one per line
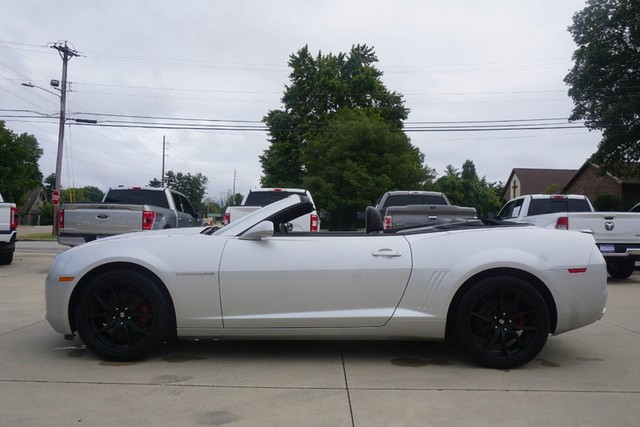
point(63, 102)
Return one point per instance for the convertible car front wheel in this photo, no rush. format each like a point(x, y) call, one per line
point(121, 315)
point(502, 322)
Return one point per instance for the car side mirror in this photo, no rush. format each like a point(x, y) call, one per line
point(259, 231)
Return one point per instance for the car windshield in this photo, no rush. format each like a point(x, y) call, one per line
point(252, 218)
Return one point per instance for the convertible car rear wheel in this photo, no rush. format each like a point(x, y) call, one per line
point(121, 315)
point(502, 322)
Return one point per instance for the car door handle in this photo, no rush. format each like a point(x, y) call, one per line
point(386, 253)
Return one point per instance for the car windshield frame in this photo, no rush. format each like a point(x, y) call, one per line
point(243, 224)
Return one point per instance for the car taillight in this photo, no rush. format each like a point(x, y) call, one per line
point(314, 222)
point(148, 218)
point(14, 218)
point(226, 219)
point(562, 223)
point(61, 219)
point(388, 222)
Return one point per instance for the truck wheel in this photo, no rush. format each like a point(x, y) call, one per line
point(6, 259)
point(121, 315)
point(502, 322)
point(621, 269)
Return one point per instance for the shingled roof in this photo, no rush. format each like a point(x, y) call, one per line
point(536, 181)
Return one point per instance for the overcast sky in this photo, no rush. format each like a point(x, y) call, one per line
point(454, 61)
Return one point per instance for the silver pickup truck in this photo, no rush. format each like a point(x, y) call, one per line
point(409, 208)
point(125, 210)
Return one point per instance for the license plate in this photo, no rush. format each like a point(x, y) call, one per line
point(607, 249)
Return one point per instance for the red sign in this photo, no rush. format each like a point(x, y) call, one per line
point(55, 197)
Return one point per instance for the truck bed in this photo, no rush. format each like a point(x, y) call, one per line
point(425, 214)
point(101, 220)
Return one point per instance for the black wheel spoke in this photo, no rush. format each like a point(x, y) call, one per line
point(514, 305)
point(479, 332)
point(127, 335)
point(503, 343)
point(138, 329)
point(105, 328)
point(103, 303)
point(493, 340)
point(127, 294)
point(501, 300)
point(488, 304)
point(116, 299)
point(100, 315)
point(481, 317)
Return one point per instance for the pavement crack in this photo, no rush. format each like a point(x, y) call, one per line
point(21, 328)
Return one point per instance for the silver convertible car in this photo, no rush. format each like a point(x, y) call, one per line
point(499, 289)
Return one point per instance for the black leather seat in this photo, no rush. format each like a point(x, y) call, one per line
point(373, 221)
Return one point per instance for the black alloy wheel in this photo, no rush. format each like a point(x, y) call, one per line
point(121, 315)
point(502, 322)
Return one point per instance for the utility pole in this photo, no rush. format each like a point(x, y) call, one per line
point(66, 53)
point(164, 143)
point(234, 186)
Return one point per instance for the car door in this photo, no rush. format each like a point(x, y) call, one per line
point(313, 281)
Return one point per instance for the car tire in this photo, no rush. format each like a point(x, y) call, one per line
point(121, 315)
point(502, 322)
point(621, 269)
point(6, 259)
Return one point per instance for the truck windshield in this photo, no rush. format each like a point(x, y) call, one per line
point(414, 199)
point(264, 198)
point(137, 197)
point(545, 206)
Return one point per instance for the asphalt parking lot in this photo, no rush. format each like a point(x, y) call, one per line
point(588, 377)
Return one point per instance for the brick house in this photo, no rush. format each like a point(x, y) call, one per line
point(523, 181)
point(606, 192)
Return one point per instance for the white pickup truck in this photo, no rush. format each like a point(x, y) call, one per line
point(260, 197)
point(617, 234)
point(8, 233)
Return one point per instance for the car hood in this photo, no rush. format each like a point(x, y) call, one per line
point(170, 232)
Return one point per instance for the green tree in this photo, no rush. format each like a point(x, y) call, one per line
point(72, 194)
point(19, 170)
point(321, 86)
point(83, 194)
point(193, 187)
point(228, 199)
point(354, 160)
point(49, 184)
point(466, 188)
point(46, 213)
point(605, 80)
